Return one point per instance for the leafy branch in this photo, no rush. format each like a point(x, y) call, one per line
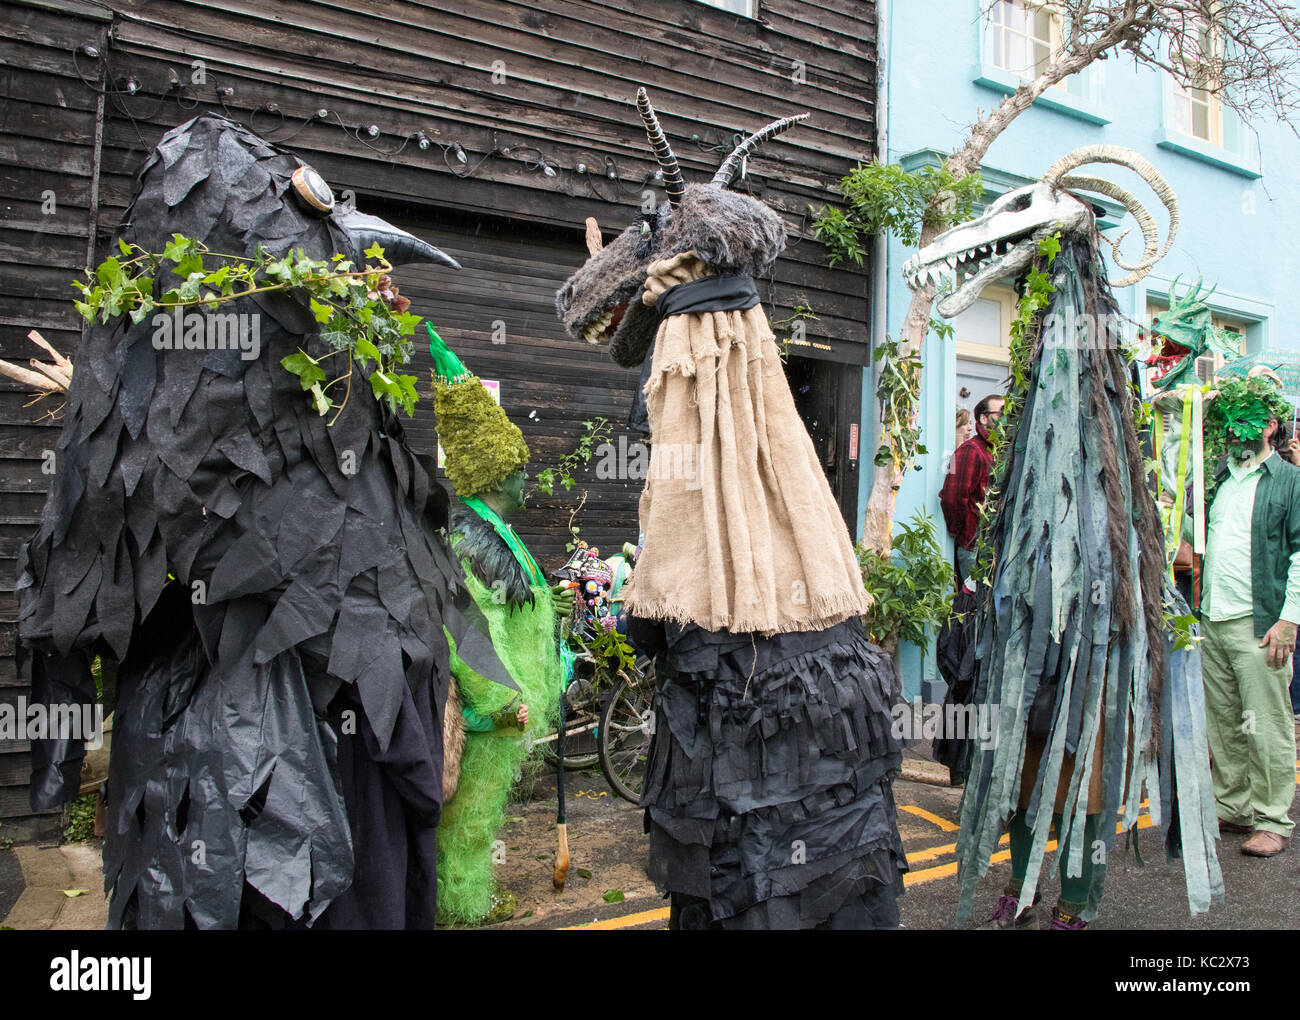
point(898, 390)
point(911, 587)
point(358, 309)
point(885, 198)
point(802, 313)
point(595, 433)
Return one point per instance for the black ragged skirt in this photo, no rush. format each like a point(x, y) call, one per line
point(769, 798)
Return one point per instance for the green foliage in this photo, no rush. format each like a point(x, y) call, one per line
point(81, 820)
point(911, 587)
point(1244, 407)
point(612, 652)
point(1034, 300)
point(358, 310)
point(802, 313)
point(883, 197)
point(1181, 627)
point(595, 432)
point(898, 388)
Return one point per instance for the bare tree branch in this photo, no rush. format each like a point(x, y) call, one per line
point(1252, 65)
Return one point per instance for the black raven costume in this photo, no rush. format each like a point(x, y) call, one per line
point(768, 793)
point(266, 582)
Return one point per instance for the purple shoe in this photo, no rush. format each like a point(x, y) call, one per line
point(1004, 917)
point(1065, 922)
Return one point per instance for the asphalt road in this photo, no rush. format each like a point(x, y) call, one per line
point(608, 853)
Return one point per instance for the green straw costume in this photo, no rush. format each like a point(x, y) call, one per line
point(483, 449)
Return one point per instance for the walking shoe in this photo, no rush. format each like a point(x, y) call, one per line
point(1265, 844)
point(1062, 921)
point(1004, 917)
point(1236, 827)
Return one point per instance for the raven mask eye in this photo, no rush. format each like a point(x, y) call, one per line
point(311, 189)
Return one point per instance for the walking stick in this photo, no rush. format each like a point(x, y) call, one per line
point(562, 853)
point(561, 872)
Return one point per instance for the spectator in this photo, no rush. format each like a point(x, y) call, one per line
point(963, 490)
point(1291, 451)
point(964, 428)
point(1250, 608)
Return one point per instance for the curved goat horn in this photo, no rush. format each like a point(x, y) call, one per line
point(1145, 221)
point(674, 185)
point(1120, 156)
point(727, 172)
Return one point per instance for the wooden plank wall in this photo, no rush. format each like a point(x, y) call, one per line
point(510, 81)
point(48, 130)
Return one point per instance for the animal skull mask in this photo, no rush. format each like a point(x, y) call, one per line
point(1003, 240)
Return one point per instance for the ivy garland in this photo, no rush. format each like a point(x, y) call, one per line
point(358, 309)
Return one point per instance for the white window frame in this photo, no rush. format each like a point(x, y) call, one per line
point(1031, 9)
point(973, 350)
point(730, 6)
point(1077, 96)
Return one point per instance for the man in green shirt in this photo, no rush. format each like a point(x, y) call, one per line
point(1250, 609)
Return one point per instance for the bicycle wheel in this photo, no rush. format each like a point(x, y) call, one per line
point(625, 729)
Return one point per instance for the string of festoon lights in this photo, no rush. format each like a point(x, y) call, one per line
point(600, 176)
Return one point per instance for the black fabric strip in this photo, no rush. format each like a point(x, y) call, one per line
point(709, 294)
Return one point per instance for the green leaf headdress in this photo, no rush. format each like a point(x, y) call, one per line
point(482, 445)
point(1243, 408)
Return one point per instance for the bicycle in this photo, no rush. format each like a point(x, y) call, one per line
point(611, 728)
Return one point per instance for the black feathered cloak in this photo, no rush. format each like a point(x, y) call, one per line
point(267, 583)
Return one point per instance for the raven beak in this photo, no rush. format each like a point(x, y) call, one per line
point(400, 248)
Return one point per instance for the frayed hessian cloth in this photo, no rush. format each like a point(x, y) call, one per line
point(735, 493)
point(768, 798)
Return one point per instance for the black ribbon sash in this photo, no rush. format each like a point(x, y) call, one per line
point(733, 292)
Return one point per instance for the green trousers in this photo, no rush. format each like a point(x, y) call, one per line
point(1251, 727)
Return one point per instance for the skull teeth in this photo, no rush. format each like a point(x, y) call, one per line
point(597, 329)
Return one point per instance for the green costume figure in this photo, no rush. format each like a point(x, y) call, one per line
point(488, 725)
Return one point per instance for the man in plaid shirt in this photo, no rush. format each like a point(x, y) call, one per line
point(968, 478)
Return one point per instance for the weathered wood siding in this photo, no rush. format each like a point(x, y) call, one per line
point(510, 82)
point(49, 123)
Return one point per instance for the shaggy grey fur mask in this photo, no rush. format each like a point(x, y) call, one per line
point(732, 233)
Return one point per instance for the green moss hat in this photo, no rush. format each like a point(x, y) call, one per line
point(483, 446)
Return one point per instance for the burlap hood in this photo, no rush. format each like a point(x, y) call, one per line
point(741, 531)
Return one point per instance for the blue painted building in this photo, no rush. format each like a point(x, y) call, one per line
point(1239, 195)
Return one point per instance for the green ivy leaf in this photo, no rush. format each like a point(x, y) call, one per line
point(406, 323)
point(190, 266)
point(323, 312)
point(365, 349)
point(178, 248)
point(612, 896)
point(305, 368)
point(189, 290)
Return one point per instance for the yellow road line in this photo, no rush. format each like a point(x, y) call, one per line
point(626, 921)
point(934, 819)
point(930, 853)
point(946, 870)
point(930, 874)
